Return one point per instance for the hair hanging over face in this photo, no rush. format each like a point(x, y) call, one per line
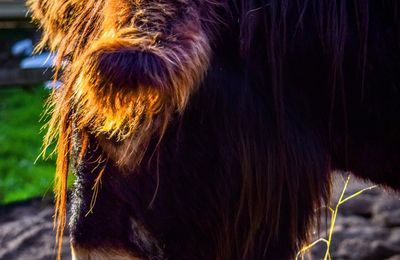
point(130, 66)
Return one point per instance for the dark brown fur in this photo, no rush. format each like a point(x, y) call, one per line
point(213, 127)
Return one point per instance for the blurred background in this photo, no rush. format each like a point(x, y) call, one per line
point(22, 95)
point(367, 227)
point(26, 230)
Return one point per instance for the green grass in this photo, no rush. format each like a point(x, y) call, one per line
point(20, 144)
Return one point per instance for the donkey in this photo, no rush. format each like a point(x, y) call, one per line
point(202, 129)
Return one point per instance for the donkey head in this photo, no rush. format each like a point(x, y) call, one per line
point(131, 64)
point(127, 67)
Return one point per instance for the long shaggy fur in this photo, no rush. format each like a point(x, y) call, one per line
point(130, 68)
point(245, 102)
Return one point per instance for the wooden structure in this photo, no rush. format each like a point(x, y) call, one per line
point(23, 77)
point(13, 15)
point(13, 10)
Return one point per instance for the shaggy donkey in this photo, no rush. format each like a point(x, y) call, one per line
point(202, 129)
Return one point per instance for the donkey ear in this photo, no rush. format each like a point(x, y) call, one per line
point(128, 68)
point(171, 62)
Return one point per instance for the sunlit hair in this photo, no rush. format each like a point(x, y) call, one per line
point(123, 76)
point(129, 67)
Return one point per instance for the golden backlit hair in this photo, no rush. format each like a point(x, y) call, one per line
point(98, 43)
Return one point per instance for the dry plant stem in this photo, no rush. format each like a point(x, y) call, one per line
point(334, 213)
point(308, 247)
point(333, 219)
